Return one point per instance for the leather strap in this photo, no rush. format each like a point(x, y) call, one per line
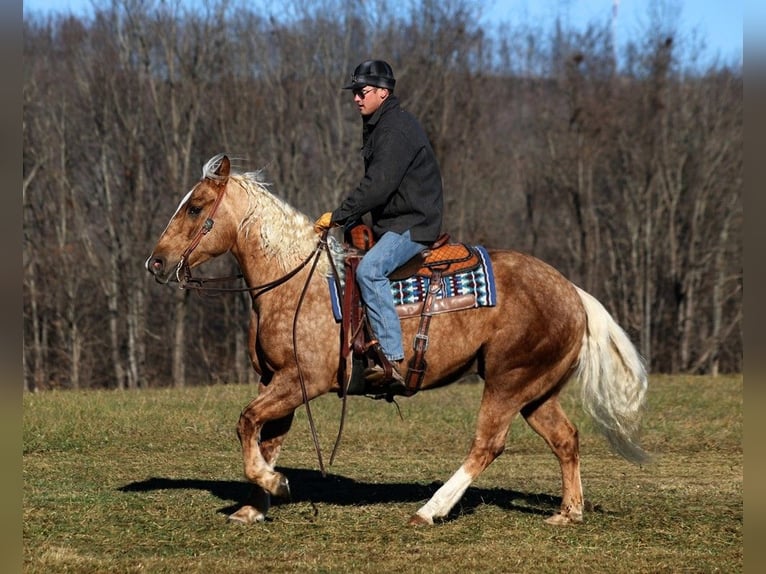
point(353, 324)
point(207, 225)
point(416, 368)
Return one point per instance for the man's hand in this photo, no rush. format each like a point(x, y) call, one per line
point(323, 223)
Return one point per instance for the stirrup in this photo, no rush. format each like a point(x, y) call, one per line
point(372, 343)
point(379, 375)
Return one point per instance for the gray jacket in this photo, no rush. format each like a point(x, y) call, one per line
point(402, 185)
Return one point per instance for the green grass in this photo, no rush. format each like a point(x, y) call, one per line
point(143, 481)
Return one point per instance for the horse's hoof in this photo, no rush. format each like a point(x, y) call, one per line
point(417, 520)
point(561, 519)
point(247, 515)
point(282, 489)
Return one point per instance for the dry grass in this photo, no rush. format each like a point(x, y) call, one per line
point(143, 481)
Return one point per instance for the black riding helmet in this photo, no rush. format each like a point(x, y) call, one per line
point(372, 73)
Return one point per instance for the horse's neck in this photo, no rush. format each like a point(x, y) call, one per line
point(262, 266)
point(272, 241)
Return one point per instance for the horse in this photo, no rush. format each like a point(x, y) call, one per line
point(542, 333)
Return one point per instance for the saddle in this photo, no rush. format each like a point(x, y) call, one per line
point(441, 259)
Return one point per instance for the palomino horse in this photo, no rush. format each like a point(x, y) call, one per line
point(542, 332)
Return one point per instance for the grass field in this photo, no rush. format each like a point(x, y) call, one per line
point(143, 481)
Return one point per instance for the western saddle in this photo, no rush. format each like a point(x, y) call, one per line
point(437, 261)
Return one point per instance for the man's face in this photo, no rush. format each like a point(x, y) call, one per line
point(369, 98)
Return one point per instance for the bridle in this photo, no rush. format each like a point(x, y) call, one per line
point(183, 272)
point(205, 284)
point(199, 284)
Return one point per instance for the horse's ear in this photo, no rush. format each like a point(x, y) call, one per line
point(224, 167)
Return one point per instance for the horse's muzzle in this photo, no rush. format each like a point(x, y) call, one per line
point(157, 267)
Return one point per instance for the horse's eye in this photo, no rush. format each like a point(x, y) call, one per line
point(194, 210)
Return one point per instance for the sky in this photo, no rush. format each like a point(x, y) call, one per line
point(718, 23)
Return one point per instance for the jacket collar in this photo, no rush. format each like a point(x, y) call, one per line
point(391, 102)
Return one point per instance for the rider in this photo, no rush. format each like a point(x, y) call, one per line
point(402, 191)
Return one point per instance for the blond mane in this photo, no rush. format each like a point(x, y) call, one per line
point(286, 235)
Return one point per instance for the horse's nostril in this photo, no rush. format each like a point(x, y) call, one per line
point(156, 265)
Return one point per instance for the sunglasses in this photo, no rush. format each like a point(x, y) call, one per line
point(362, 92)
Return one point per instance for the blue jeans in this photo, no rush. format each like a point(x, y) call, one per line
point(390, 252)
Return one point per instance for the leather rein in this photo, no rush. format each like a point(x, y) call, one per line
point(200, 284)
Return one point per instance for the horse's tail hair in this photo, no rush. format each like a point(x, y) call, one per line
point(613, 380)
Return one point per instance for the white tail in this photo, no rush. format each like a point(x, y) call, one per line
point(613, 380)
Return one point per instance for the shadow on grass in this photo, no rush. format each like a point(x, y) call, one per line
point(311, 487)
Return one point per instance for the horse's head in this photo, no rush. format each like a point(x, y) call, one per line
point(201, 228)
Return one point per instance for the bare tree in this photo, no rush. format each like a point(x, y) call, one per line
point(628, 178)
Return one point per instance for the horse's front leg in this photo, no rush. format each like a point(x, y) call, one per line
point(261, 429)
point(268, 440)
point(272, 436)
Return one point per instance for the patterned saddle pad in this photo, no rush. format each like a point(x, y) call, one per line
point(462, 289)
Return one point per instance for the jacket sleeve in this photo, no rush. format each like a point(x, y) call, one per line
point(390, 158)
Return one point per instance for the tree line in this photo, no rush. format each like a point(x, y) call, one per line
point(623, 170)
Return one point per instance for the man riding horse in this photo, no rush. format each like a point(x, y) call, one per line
point(402, 191)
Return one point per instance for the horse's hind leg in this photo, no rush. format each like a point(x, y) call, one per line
point(495, 416)
point(550, 422)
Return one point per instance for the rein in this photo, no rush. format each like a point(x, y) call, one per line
point(200, 283)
